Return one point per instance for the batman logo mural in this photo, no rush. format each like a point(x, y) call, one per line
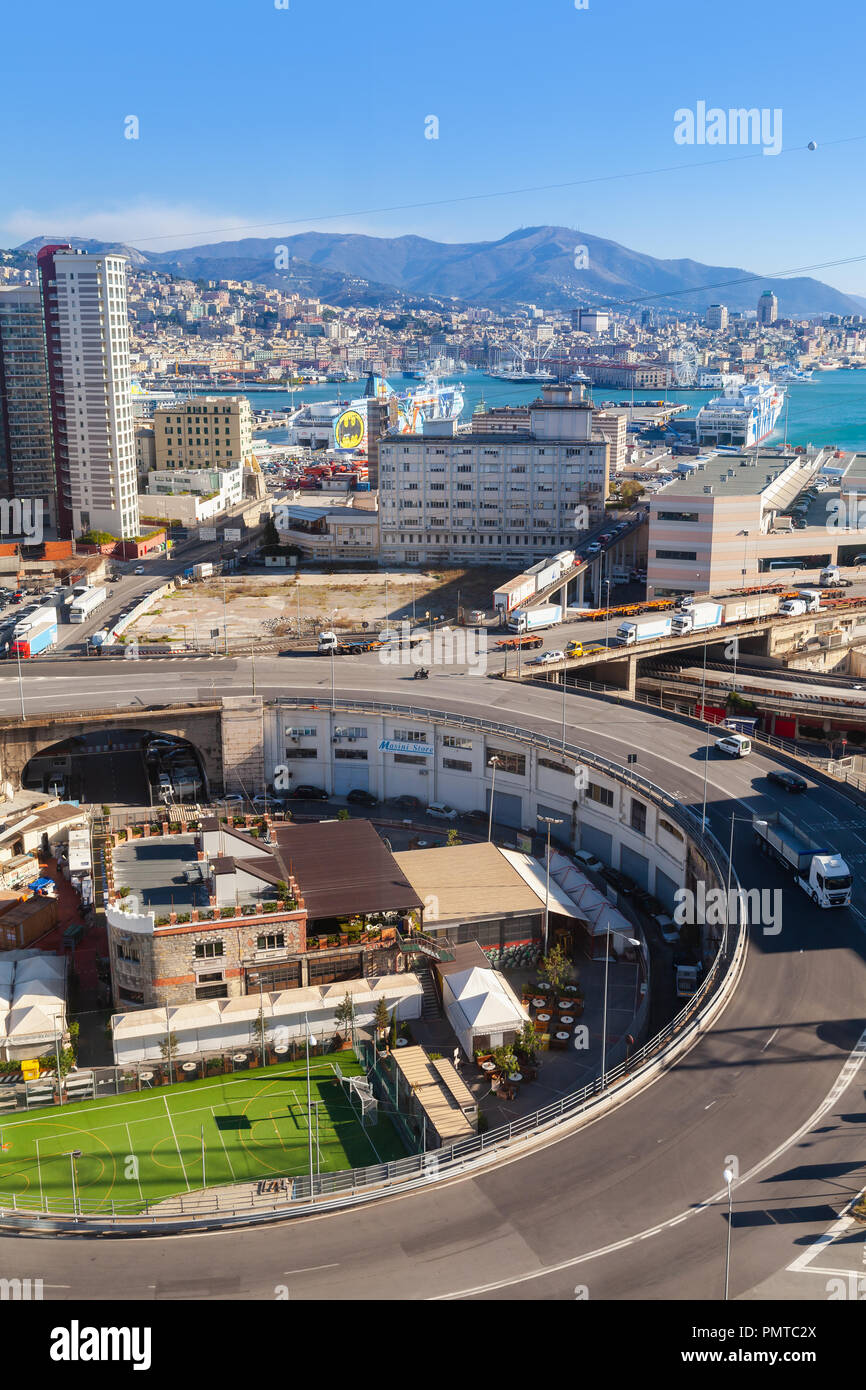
point(349, 430)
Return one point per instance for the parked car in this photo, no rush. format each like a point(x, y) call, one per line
point(789, 780)
point(406, 803)
point(307, 793)
point(547, 657)
point(668, 928)
point(477, 817)
point(441, 811)
point(193, 875)
point(233, 799)
point(139, 569)
point(586, 860)
point(359, 797)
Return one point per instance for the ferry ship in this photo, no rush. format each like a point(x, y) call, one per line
point(429, 401)
point(743, 416)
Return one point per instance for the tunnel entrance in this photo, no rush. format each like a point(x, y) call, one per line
point(123, 767)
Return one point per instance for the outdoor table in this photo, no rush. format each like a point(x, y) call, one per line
point(488, 1066)
point(565, 1003)
point(189, 1066)
point(515, 1076)
point(563, 1035)
point(239, 1057)
point(539, 1003)
point(402, 1042)
point(543, 1018)
point(571, 989)
point(281, 1049)
point(566, 1018)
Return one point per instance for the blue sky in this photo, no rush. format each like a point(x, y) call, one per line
point(311, 116)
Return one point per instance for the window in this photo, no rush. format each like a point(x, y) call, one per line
point(603, 795)
point(638, 816)
point(274, 941)
point(218, 991)
point(410, 736)
point(301, 733)
point(359, 754)
point(553, 766)
point(456, 765)
point(293, 753)
point(671, 829)
point(676, 555)
point(455, 741)
point(352, 731)
point(417, 760)
point(514, 763)
point(205, 949)
point(677, 516)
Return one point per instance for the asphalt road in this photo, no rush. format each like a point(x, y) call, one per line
point(632, 1207)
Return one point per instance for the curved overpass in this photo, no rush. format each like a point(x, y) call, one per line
point(631, 1206)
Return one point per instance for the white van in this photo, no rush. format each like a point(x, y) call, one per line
point(734, 745)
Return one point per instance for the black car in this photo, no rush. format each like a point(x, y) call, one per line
point(309, 794)
point(358, 797)
point(477, 817)
point(406, 803)
point(789, 780)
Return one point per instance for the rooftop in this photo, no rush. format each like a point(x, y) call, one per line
point(343, 868)
point(750, 471)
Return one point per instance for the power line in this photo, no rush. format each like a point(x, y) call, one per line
point(499, 193)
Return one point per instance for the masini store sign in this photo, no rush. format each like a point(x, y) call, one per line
point(388, 745)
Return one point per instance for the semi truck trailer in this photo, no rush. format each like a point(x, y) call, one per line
point(817, 869)
point(535, 619)
point(37, 640)
point(697, 618)
point(651, 630)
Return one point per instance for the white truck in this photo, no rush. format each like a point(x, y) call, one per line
point(86, 603)
point(740, 610)
point(534, 619)
point(696, 618)
point(807, 601)
point(819, 871)
point(831, 578)
point(649, 630)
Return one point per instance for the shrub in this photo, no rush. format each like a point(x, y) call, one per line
point(483, 1122)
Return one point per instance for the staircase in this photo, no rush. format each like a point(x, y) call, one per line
point(431, 1009)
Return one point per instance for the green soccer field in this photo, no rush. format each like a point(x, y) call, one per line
point(140, 1148)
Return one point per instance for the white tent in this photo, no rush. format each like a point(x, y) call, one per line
point(599, 914)
point(480, 1003)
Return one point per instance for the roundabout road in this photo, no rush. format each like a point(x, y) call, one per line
point(630, 1207)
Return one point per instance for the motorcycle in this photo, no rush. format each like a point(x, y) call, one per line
point(422, 674)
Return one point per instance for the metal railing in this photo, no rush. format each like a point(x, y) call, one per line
point(350, 1186)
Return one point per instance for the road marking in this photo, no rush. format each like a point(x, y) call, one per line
point(769, 1040)
point(849, 1070)
point(176, 1144)
point(308, 1269)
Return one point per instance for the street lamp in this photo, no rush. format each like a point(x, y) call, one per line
point(706, 736)
point(632, 942)
point(548, 821)
point(728, 1176)
point(494, 763)
point(253, 978)
point(607, 615)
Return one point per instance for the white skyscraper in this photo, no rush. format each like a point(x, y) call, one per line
point(87, 333)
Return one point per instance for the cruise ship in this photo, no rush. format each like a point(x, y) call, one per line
point(743, 416)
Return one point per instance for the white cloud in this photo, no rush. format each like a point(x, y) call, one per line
point(152, 227)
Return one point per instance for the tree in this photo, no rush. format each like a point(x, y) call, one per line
point(630, 491)
point(555, 968)
point(345, 1012)
point(381, 1017)
point(527, 1041)
point(343, 813)
point(453, 837)
point(392, 1034)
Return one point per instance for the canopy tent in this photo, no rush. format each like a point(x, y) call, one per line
point(590, 904)
point(480, 1004)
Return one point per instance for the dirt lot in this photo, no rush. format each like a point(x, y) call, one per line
point(263, 606)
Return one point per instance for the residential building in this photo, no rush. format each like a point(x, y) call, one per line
point(482, 496)
point(26, 443)
point(87, 335)
point(717, 316)
point(768, 307)
point(204, 432)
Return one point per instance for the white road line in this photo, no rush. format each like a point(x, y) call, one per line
point(308, 1269)
point(769, 1040)
point(176, 1144)
point(843, 1080)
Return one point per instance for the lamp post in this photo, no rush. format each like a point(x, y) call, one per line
point(632, 942)
point(548, 821)
point(729, 1178)
point(706, 737)
point(20, 683)
point(607, 615)
point(57, 1057)
point(494, 763)
point(253, 979)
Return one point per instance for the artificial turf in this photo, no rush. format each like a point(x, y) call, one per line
point(140, 1148)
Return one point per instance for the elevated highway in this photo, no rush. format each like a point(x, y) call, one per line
point(634, 1206)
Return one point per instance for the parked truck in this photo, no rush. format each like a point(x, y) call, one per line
point(201, 571)
point(86, 603)
point(650, 630)
point(831, 578)
point(817, 869)
point(807, 601)
point(534, 619)
point(36, 640)
point(740, 610)
point(514, 592)
point(513, 644)
point(696, 618)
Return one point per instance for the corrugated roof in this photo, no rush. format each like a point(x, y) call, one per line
point(466, 881)
point(342, 868)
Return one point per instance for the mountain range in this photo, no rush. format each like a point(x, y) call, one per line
point(553, 267)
